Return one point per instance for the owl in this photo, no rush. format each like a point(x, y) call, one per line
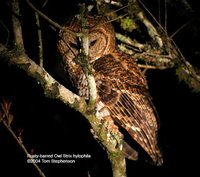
point(122, 88)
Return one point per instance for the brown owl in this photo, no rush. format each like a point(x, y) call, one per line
point(122, 89)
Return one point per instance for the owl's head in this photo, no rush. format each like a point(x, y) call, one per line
point(101, 38)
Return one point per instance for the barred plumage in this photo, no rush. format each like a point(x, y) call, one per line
point(122, 88)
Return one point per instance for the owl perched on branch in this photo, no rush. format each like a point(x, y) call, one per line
point(122, 89)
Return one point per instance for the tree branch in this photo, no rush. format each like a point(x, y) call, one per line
point(51, 87)
point(104, 130)
point(17, 29)
point(129, 41)
point(40, 45)
point(88, 69)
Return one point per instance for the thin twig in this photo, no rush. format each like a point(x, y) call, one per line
point(44, 16)
point(44, 4)
point(129, 41)
point(152, 67)
point(151, 29)
point(56, 25)
point(165, 15)
point(179, 29)
point(17, 29)
point(8, 32)
point(23, 147)
point(114, 11)
point(40, 46)
point(118, 17)
point(155, 20)
point(159, 11)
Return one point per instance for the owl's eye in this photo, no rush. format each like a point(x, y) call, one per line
point(92, 43)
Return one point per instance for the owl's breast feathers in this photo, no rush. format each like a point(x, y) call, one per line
point(123, 89)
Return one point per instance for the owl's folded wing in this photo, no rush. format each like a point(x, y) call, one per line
point(125, 94)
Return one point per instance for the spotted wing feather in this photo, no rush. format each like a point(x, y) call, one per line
point(123, 89)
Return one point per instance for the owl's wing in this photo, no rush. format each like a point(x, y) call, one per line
point(124, 92)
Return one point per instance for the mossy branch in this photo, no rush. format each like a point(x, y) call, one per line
point(85, 54)
point(51, 87)
point(106, 132)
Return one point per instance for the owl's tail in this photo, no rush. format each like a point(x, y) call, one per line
point(132, 154)
point(129, 152)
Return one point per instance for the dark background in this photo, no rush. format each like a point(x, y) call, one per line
point(51, 127)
